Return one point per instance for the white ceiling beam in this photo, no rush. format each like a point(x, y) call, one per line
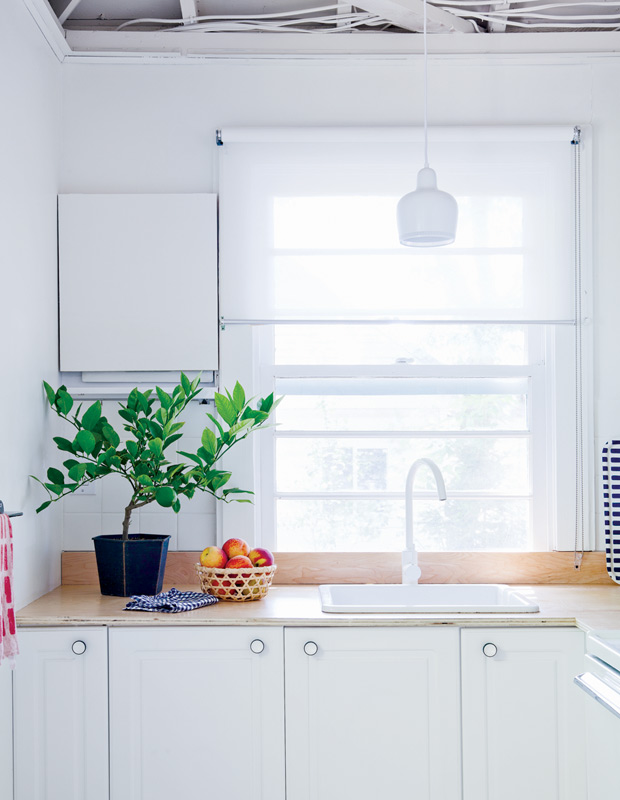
point(69, 9)
point(189, 11)
point(139, 46)
point(409, 14)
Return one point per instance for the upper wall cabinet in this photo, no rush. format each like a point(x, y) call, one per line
point(138, 282)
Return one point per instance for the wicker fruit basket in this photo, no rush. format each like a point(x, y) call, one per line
point(238, 585)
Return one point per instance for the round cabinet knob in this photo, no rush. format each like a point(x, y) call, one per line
point(311, 648)
point(257, 646)
point(79, 647)
point(489, 649)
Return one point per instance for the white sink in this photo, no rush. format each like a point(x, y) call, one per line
point(396, 598)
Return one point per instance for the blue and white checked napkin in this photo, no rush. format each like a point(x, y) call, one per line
point(170, 602)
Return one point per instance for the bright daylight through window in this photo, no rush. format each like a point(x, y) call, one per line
point(464, 354)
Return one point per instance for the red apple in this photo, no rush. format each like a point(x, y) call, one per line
point(213, 557)
point(235, 547)
point(237, 562)
point(261, 557)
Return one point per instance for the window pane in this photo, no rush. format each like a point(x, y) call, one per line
point(391, 344)
point(368, 525)
point(431, 411)
point(350, 465)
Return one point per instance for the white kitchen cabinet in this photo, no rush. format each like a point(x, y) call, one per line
point(138, 282)
point(523, 719)
point(6, 730)
point(197, 712)
point(60, 695)
point(372, 713)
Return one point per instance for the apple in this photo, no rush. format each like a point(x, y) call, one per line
point(235, 547)
point(261, 557)
point(213, 557)
point(238, 562)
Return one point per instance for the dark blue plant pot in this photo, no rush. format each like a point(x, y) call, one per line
point(135, 566)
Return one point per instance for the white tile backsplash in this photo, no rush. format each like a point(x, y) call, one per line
point(193, 528)
point(162, 524)
point(79, 530)
point(196, 531)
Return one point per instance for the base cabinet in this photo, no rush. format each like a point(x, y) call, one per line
point(196, 712)
point(60, 698)
point(372, 713)
point(523, 718)
point(409, 713)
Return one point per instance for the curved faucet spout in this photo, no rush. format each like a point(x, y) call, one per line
point(411, 571)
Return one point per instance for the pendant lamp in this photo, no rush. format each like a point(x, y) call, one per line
point(426, 217)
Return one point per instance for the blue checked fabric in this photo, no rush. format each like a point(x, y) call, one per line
point(170, 602)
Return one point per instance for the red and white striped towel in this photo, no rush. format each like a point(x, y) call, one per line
point(8, 637)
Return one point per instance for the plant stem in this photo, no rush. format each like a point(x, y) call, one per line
point(127, 521)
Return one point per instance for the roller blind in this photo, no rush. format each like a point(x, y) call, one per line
point(308, 226)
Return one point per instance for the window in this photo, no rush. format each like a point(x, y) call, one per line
point(464, 354)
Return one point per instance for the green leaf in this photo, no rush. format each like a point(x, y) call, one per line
point(209, 441)
point(155, 446)
point(70, 462)
point(216, 423)
point(64, 444)
point(225, 409)
point(91, 416)
point(187, 387)
point(176, 506)
point(240, 426)
point(55, 476)
point(64, 401)
point(55, 488)
point(132, 400)
point(51, 395)
point(111, 435)
point(77, 473)
point(192, 457)
point(132, 448)
point(219, 480)
point(126, 414)
point(171, 439)
point(144, 480)
point(155, 429)
point(143, 403)
point(44, 505)
point(165, 496)
point(85, 441)
point(164, 397)
point(238, 396)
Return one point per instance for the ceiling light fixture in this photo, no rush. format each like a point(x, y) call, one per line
point(427, 216)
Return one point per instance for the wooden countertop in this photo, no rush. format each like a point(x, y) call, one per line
point(587, 607)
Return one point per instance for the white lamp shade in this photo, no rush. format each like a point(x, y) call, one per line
point(428, 216)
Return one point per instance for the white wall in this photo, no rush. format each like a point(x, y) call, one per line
point(29, 149)
point(150, 128)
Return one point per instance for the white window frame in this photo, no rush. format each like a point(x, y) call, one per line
point(549, 416)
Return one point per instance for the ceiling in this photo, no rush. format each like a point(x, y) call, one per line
point(211, 18)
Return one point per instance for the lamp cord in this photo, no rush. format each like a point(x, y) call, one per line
point(425, 90)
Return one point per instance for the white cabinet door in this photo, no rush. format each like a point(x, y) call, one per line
point(138, 282)
point(603, 748)
point(197, 713)
point(61, 714)
point(523, 720)
point(6, 732)
point(373, 713)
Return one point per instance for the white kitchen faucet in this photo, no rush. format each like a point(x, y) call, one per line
point(411, 571)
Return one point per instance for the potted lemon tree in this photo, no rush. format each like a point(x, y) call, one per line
point(133, 563)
